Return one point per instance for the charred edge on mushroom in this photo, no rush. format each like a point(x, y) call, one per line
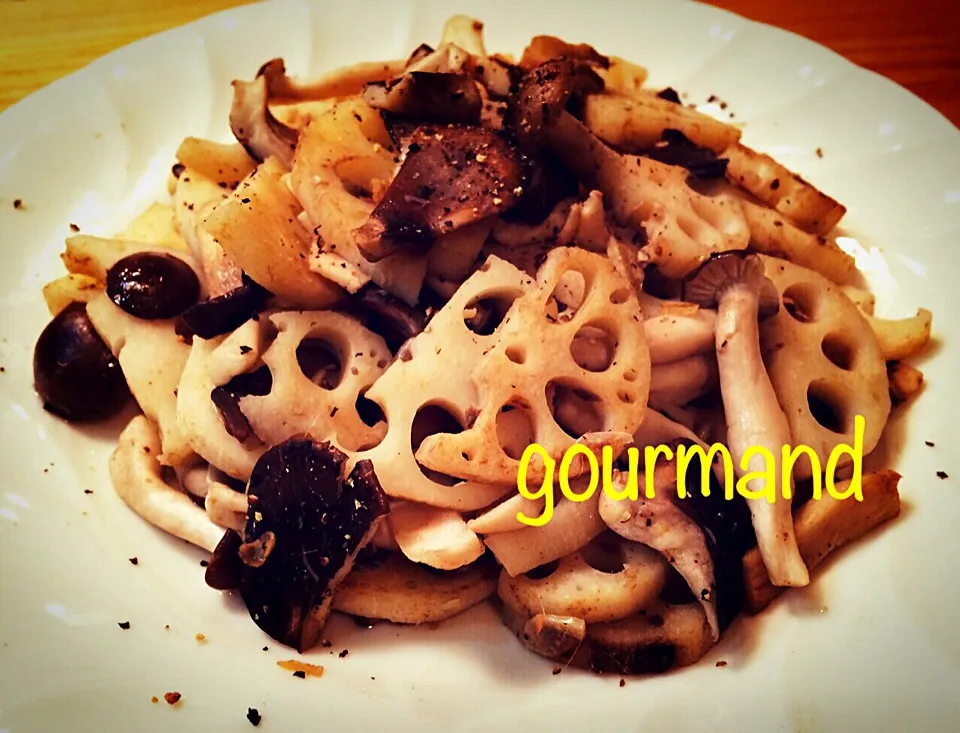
point(225, 567)
point(451, 177)
point(225, 313)
point(675, 148)
point(318, 523)
point(227, 400)
point(385, 314)
point(74, 372)
point(437, 97)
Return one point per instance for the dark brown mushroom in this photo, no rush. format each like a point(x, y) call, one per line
point(225, 568)
point(451, 177)
point(385, 314)
point(152, 285)
point(543, 94)
point(305, 526)
point(423, 96)
point(226, 399)
point(225, 313)
point(74, 372)
point(675, 148)
point(252, 123)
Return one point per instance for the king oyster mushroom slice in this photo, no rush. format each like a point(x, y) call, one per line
point(252, 123)
point(735, 284)
point(305, 525)
point(660, 523)
point(428, 96)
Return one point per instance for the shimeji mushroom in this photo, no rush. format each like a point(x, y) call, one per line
point(736, 285)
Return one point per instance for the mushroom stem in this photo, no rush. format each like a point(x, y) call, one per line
point(754, 418)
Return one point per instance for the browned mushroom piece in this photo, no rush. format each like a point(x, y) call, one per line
point(224, 313)
point(305, 525)
point(545, 48)
point(252, 123)
point(735, 284)
point(441, 97)
point(543, 94)
point(385, 314)
point(451, 177)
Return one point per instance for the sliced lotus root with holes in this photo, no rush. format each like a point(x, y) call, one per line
point(605, 581)
point(664, 637)
point(296, 405)
point(824, 363)
point(404, 592)
point(433, 369)
point(534, 354)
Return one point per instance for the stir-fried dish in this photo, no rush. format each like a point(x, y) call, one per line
point(344, 330)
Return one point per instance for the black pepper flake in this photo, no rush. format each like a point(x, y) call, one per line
point(266, 648)
point(334, 411)
point(18, 203)
point(74, 228)
point(623, 682)
point(124, 625)
point(344, 653)
point(929, 443)
point(721, 663)
point(253, 715)
point(326, 643)
point(244, 201)
point(819, 152)
point(85, 491)
point(300, 674)
point(204, 563)
point(557, 670)
point(133, 561)
point(942, 475)
point(178, 169)
point(245, 349)
point(775, 184)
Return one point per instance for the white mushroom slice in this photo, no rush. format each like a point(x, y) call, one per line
point(573, 525)
point(435, 537)
point(735, 283)
point(679, 382)
point(137, 479)
point(296, 405)
point(577, 588)
point(194, 478)
point(398, 590)
point(683, 227)
point(674, 337)
point(201, 423)
point(824, 363)
point(503, 516)
point(658, 522)
point(226, 507)
point(152, 357)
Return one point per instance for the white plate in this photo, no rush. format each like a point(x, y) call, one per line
point(872, 644)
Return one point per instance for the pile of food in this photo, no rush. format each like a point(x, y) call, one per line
point(347, 326)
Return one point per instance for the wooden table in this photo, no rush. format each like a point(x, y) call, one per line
point(914, 42)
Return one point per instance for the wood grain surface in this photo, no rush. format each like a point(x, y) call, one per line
point(914, 42)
